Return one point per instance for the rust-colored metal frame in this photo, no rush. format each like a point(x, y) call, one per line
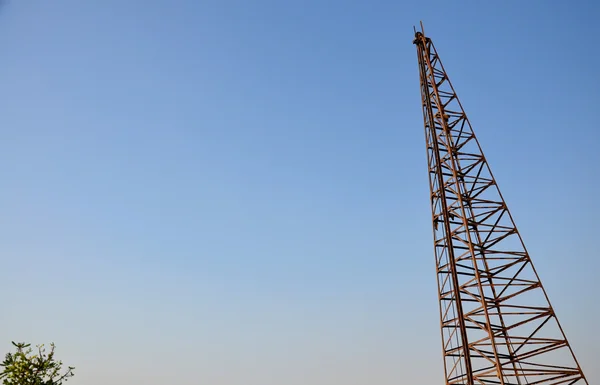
point(498, 326)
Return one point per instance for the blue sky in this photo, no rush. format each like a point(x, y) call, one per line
point(235, 192)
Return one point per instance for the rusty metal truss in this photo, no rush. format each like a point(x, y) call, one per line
point(497, 324)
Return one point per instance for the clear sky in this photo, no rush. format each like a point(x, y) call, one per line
point(235, 192)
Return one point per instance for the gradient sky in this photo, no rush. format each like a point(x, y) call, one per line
point(235, 192)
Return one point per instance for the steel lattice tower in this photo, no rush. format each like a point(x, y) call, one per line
point(498, 326)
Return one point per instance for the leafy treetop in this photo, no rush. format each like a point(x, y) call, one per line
point(24, 367)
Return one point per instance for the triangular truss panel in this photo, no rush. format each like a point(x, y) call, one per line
point(497, 324)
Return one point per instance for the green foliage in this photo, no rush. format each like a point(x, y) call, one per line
point(27, 368)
